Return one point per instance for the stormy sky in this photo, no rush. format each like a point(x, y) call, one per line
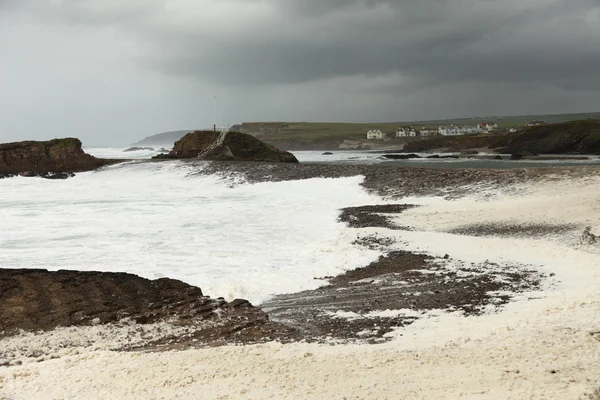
point(112, 71)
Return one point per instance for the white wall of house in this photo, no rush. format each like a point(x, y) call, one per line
point(403, 132)
point(487, 127)
point(374, 134)
point(453, 130)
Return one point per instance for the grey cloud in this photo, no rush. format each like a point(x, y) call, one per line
point(304, 41)
point(319, 59)
point(493, 46)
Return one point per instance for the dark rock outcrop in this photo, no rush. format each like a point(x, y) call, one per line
point(438, 156)
point(575, 137)
point(33, 158)
point(39, 300)
point(400, 156)
point(233, 146)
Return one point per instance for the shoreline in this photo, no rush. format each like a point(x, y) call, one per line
point(476, 328)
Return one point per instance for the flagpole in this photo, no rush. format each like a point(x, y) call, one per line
point(215, 114)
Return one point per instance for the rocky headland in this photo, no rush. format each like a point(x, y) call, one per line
point(230, 146)
point(55, 159)
point(574, 137)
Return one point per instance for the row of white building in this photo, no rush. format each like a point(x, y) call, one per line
point(445, 130)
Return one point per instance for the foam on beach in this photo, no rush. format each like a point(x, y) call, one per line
point(543, 345)
point(159, 220)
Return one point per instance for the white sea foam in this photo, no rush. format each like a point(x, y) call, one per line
point(155, 220)
point(120, 153)
point(543, 347)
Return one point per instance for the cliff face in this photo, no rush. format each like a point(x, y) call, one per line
point(235, 146)
point(192, 144)
point(58, 155)
point(576, 137)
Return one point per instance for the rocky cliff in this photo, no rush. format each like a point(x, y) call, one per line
point(233, 146)
point(58, 155)
point(575, 137)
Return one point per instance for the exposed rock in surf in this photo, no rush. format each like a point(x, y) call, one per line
point(232, 146)
point(45, 159)
point(400, 156)
point(39, 300)
point(443, 157)
point(138, 149)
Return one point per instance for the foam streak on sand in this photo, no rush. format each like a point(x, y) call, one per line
point(544, 347)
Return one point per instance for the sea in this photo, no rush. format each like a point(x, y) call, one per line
point(161, 220)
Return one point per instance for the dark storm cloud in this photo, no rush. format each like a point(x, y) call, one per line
point(428, 41)
point(288, 41)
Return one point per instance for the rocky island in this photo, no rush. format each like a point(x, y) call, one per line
point(54, 159)
point(226, 146)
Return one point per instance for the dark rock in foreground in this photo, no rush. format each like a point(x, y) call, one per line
point(232, 146)
point(33, 158)
point(39, 300)
point(45, 175)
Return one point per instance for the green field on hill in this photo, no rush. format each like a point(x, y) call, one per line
point(318, 131)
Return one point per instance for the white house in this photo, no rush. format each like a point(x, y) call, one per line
point(470, 130)
point(407, 131)
point(426, 132)
point(453, 130)
point(487, 127)
point(450, 130)
point(375, 134)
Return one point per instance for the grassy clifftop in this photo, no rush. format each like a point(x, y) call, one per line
point(574, 137)
point(329, 135)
